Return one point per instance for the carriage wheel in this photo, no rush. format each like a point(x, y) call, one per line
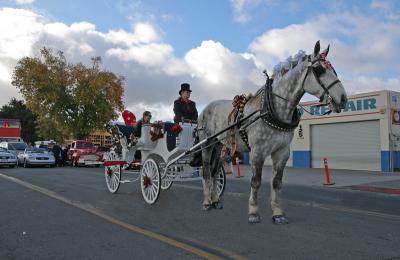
point(150, 181)
point(112, 173)
point(166, 182)
point(220, 180)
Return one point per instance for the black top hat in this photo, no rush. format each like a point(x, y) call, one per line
point(185, 86)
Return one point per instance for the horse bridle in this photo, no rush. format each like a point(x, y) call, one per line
point(269, 116)
point(318, 71)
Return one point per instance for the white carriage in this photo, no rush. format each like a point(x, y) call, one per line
point(165, 156)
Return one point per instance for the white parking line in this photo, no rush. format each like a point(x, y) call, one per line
point(165, 239)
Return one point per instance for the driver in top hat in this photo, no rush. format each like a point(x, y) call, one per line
point(184, 108)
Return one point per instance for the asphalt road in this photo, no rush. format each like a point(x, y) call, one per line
point(68, 213)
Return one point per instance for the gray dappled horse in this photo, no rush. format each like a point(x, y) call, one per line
point(273, 132)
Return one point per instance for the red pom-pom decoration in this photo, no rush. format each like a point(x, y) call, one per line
point(129, 118)
point(327, 64)
point(176, 129)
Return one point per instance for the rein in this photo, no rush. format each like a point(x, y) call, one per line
point(318, 71)
point(267, 108)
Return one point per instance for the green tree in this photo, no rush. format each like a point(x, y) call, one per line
point(18, 110)
point(73, 99)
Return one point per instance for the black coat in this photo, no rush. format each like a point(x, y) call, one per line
point(56, 151)
point(138, 128)
point(185, 110)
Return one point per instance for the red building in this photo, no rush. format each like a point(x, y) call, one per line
point(10, 129)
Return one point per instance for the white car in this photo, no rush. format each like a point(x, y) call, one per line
point(14, 146)
point(7, 158)
point(36, 156)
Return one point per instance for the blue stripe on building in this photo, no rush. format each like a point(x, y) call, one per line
point(385, 161)
point(396, 162)
point(301, 159)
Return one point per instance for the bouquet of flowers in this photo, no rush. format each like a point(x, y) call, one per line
point(176, 129)
point(156, 132)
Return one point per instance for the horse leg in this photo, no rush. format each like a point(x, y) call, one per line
point(207, 201)
point(256, 168)
point(215, 167)
point(279, 159)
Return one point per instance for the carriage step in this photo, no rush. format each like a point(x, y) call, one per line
point(112, 163)
point(186, 177)
point(177, 179)
point(128, 181)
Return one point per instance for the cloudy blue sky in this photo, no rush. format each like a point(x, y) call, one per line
point(220, 47)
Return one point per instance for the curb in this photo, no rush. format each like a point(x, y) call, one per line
point(375, 189)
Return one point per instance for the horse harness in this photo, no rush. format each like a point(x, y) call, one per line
point(267, 109)
point(270, 117)
point(237, 113)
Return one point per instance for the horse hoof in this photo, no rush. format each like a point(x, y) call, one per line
point(217, 205)
point(254, 218)
point(280, 220)
point(207, 207)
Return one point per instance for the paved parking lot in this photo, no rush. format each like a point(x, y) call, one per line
point(67, 213)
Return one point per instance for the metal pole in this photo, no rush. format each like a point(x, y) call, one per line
point(210, 138)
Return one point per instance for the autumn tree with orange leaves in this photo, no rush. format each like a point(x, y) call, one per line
point(69, 99)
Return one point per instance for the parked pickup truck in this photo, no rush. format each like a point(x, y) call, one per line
point(83, 153)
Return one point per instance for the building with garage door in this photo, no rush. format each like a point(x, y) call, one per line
point(364, 136)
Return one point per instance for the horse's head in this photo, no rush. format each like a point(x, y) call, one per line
point(322, 81)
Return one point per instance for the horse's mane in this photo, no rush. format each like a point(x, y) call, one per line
point(286, 66)
point(282, 68)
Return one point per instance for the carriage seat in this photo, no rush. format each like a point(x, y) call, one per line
point(186, 136)
point(171, 137)
point(126, 130)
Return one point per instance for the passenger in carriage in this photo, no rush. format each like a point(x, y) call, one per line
point(145, 120)
point(184, 108)
point(138, 131)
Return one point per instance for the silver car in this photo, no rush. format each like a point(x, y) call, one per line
point(36, 156)
point(7, 158)
point(14, 146)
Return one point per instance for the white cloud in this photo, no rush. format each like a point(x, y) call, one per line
point(24, 2)
point(159, 111)
point(5, 74)
point(223, 72)
point(277, 44)
point(363, 84)
point(208, 60)
point(176, 67)
point(142, 45)
point(6, 90)
point(386, 8)
point(152, 54)
point(363, 62)
point(361, 55)
point(153, 73)
point(20, 29)
point(142, 33)
point(240, 9)
point(63, 31)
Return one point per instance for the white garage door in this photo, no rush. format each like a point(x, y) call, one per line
point(354, 145)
